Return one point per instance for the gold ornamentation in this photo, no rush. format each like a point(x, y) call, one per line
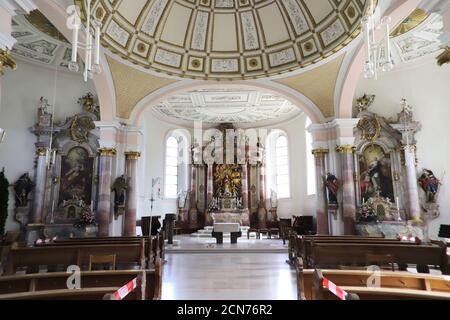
point(88, 104)
point(444, 57)
point(37, 19)
point(347, 149)
point(107, 152)
point(370, 128)
point(132, 155)
point(80, 129)
point(41, 151)
point(320, 151)
point(6, 61)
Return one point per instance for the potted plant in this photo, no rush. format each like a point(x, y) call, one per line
point(87, 222)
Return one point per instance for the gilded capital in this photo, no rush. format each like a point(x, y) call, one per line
point(132, 155)
point(41, 151)
point(107, 152)
point(6, 61)
point(347, 149)
point(444, 57)
point(319, 152)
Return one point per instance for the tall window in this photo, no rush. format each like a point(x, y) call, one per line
point(171, 173)
point(310, 167)
point(282, 167)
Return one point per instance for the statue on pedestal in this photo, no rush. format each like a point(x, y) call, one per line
point(44, 117)
point(430, 184)
point(22, 189)
point(332, 184)
point(119, 188)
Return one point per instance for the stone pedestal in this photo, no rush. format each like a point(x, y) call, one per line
point(169, 224)
point(33, 232)
point(390, 229)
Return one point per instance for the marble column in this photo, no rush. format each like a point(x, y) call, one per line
point(39, 189)
point(245, 186)
point(321, 202)
point(209, 193)
point(262, 212)
point(129, 224)
point(411, 183)
point(348, 188)
point(104, 191)
point(193, 212)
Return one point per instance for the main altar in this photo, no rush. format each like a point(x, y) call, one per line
point(228, 186)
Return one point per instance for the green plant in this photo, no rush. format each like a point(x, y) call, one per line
point(4, 197)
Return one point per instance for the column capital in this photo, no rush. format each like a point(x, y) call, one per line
point(320, 151)
point(132, 155)
point(6, 61)
point(107, 152)
point(346, 148)
point(41, 151)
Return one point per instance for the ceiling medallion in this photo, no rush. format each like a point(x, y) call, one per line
point(232, 40)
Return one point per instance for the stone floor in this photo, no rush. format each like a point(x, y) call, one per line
point(188, 244)
point(228, 276)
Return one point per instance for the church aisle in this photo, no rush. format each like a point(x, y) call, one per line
point(228, 276)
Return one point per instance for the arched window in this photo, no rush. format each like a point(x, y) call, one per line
point(277, 161)
point(310, 167)
point(171, 172)
point(282, 167)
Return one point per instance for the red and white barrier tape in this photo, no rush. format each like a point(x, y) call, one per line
point(409, 239)
point(125, 290)
point(338, 292)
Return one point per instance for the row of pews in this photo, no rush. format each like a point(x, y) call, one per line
point(344, 260)
point(98, 267)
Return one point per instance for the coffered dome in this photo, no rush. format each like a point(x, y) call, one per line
point(231, 39)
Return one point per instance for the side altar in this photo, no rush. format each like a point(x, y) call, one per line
point(391, 197)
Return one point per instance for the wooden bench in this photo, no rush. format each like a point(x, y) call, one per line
point(94, 285)
point(54, 256)
point(332, 255)
point(393, 285)
point(157, 244)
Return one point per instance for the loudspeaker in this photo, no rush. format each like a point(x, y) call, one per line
point(444, 231)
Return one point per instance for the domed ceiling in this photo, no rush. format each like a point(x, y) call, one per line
point(227, 39)
point(239, 107)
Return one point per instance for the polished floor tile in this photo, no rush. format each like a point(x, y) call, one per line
point(228, 276)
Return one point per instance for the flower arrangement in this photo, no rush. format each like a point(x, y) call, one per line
point(87, 219)
point(366, 213)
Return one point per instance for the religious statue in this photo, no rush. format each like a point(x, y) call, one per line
point(22, 188)
point(363, 103)
point(273, 199)
point(44, 117)
point(332, 184)
point(430, 184)
point(120, 188)
point(228, 180)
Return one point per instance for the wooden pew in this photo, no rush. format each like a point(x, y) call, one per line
point(157, 244)
point(393, 285)
point(296, 242)
point(305, 244)
point(331, 255)
point(94, 285)
point(31, 258)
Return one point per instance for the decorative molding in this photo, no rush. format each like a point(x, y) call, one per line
point(107, 152)
point(132, 155)
point(14, 7)
point(6, 41)
point(41, 151)
point(346, 149)
point(320, 152)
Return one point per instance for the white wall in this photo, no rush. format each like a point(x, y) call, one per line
point(427, 89)
point(152, 166)
point(20, 94)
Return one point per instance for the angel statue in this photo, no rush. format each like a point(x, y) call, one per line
point(332, 184)
point(430, 184)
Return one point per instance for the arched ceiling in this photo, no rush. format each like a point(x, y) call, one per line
point(226, 39)
point(239, 107)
